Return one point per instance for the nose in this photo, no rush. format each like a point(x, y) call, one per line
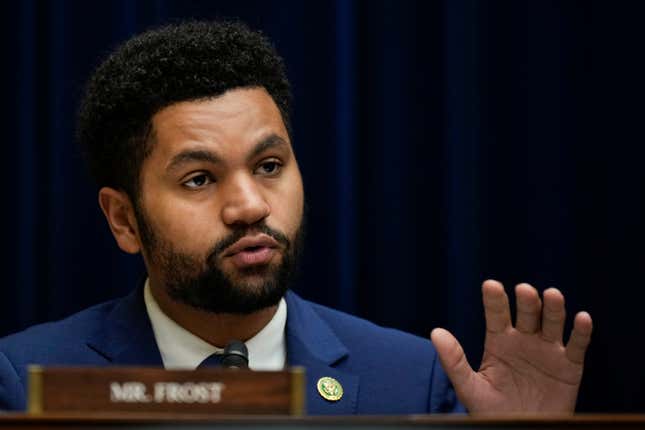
point(244, 202)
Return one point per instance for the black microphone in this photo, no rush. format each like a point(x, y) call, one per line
point(235, 355)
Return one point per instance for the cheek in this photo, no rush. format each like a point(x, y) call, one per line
point(288, 204)
point(189, 228)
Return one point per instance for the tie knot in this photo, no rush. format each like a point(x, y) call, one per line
point(213, 360)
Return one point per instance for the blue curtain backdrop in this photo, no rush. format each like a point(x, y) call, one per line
point(441, 143)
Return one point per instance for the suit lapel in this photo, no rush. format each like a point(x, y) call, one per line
point(311, 343)
point(126, 336)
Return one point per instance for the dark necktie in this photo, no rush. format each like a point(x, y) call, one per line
point(213, 360)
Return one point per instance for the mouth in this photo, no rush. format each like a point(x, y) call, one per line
point(252, 251)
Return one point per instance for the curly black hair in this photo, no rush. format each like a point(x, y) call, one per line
point(179, 62)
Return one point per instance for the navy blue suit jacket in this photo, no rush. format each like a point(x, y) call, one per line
point(382, 371)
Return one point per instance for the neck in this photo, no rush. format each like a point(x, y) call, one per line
point(216, 329)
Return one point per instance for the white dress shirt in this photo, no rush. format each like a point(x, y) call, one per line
point(180, 349)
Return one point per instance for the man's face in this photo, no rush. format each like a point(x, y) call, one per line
point(221, 203)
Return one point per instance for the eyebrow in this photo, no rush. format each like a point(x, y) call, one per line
point(271, 141)
point(192, 155)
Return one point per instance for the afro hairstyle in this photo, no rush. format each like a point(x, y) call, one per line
point(174, 63)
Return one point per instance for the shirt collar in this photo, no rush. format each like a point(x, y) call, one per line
point(180, 349)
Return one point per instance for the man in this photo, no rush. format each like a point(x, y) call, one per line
point(186, 130)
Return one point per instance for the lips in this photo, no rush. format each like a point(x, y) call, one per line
point(252, 250)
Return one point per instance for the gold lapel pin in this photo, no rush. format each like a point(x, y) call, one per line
point(330, 389)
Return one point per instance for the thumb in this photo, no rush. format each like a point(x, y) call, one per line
point(454, 362)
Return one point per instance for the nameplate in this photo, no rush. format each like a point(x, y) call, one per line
point(144, 389)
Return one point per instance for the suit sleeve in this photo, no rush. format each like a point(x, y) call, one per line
point(12, 392)
point(443, 399)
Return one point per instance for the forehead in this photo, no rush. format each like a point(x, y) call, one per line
point(230, 122)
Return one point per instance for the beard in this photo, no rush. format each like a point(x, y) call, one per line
point(200, 282)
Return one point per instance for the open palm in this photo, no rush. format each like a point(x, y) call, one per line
point(526, 367)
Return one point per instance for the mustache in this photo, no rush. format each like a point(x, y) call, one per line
point(238, 234)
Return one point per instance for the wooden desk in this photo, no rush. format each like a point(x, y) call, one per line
point(436, 422)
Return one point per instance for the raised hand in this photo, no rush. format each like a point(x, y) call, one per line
point(525, 368)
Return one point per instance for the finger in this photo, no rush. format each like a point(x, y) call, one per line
point(498, 315)
point(553, 315)
point(453, 360)
point(580, 337)
point(529, 307)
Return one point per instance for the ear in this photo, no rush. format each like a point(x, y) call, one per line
point(119, 213)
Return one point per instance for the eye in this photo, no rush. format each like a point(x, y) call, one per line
point(198, 181)
point(269, 168)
